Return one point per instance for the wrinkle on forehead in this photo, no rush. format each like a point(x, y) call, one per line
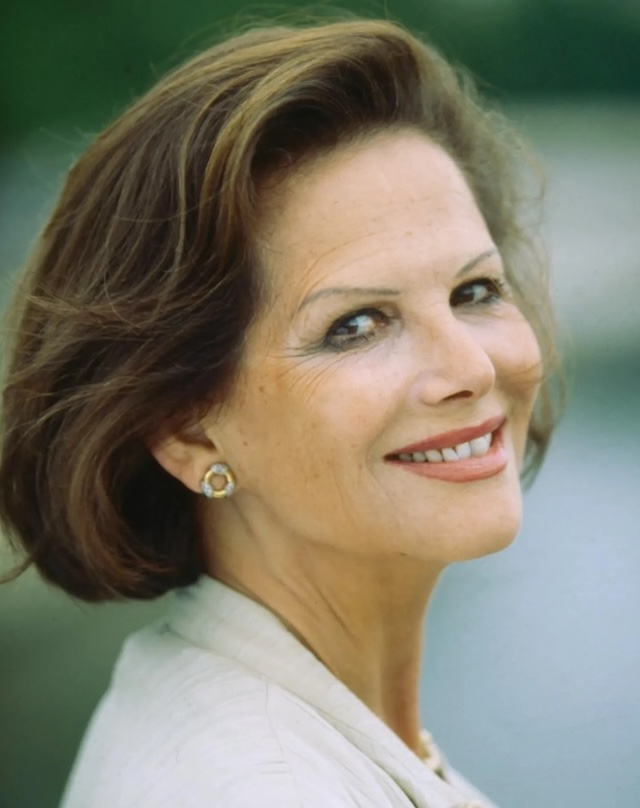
point(313, 269)
point(316, 179)
point(318, 227)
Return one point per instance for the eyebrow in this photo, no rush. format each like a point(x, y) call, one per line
point(356, 291)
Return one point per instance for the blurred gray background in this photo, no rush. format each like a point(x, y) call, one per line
point(532, 669)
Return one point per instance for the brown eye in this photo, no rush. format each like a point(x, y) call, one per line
point(356, 328)
point(482, 290)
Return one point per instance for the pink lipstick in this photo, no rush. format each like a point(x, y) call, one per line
point(460, 455)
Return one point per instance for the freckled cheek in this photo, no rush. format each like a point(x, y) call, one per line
point(315, 426)
point(334, 411)
point(518, 361)
point(533, 366)
point(280, 422)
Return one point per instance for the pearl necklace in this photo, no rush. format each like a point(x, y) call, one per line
point(430, 754)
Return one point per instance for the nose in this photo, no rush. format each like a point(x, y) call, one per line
point(455, 363)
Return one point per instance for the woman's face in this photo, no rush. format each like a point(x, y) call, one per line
point(389, 337)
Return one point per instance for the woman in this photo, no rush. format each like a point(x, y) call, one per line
point(280, 349)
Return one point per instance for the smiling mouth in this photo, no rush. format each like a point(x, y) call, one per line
point(477, 447)
point(473, 453)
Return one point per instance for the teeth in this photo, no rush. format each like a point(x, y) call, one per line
point(473, 448)
point(480, 446)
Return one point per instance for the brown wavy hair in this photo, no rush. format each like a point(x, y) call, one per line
point(131, 314)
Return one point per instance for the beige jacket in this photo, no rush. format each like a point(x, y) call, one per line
point(220, 705)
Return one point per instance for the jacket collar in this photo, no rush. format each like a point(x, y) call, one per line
point(216, 617)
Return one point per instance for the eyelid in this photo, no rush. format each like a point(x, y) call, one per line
point(366, 308)
point(498, 280)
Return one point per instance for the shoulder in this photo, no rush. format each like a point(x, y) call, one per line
point(183, 726)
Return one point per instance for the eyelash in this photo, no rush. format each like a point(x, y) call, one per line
point(497, 288)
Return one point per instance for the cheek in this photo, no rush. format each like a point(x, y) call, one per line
point(519, 370)
point(331, 410)
point(518, 361)
point(316, 417)
point(278, 426)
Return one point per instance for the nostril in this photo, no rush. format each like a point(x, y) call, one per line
point(460, 394)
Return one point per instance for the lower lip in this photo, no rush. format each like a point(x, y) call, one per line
point(464, 471)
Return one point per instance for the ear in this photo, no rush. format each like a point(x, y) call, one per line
point(186, 455)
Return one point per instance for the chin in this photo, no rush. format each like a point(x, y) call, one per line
point(493, 544)
point(486, 539)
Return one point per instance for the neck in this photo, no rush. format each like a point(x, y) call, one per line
point(361, 617)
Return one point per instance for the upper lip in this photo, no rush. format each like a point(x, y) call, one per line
point(454, 437)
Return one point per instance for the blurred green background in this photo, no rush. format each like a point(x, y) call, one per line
point(533, 656)
point(71, 64)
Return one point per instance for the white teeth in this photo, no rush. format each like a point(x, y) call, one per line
point(463, 450)
point(473, 448)
point(480, 446)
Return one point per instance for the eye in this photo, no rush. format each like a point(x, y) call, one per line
point(478, 292)
point(356, 328)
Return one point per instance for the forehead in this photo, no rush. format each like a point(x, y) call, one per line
point(395, 199)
